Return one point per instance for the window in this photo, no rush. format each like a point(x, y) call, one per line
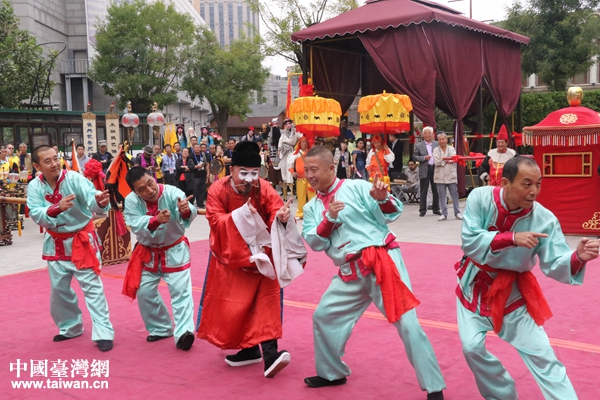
point(568, 165)
point(221, 25)
point(580, 79)
point(211, 16)
point(230, 20)
point(202, 11)
point(240, 20)
point(8, 136)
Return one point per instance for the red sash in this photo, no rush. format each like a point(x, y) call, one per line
point(397, 297)
point(500, 290)
point(83, 254)
point(141, 255)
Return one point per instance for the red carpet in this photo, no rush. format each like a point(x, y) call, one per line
point(375, 354)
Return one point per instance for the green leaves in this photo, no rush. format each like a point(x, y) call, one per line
point(563, 37)
point(143, 49)
point(19, 59)
point(225, 77)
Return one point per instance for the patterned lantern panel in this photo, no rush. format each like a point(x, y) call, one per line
point(130, 120)
point(316, 116)
point(385, 113)
point(156, 119)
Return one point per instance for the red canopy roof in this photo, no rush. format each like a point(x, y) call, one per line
point(567, 118)
point(384, 14)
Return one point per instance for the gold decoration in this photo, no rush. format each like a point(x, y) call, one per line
point(567, 119)
point(593, 224)
point(575, 96)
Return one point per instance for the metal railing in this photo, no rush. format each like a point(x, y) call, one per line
point(75, 66)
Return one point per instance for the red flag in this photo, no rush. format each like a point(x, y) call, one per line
point(116, 173)
point(288, 102)
point(74, 160)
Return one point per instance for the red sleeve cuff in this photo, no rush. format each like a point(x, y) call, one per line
point(502, 241)
point(388, 207)
point(53, 211)
point(186, 215)
point(576, 264)
point(326, 227)
point(153, 224)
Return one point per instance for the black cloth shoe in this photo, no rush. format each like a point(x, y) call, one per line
point(62, 338)
point(276, 362)
point(437, 212)
point(105, 345)
point(317, 382)
point(185, 341)
point(421, 214)
point(156, 338)
point(435, 396)
point(244, 357)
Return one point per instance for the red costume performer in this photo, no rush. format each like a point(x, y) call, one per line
point(492, 166)
point(241, 307)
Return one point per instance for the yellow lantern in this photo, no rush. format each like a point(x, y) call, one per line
point(386, 113)
point(316, 116)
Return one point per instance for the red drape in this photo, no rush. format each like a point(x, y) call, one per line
point(328, 79)
point(405, 59)
point(458, 73)
point(502, 72)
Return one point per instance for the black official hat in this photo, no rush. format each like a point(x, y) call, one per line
point(246, 154)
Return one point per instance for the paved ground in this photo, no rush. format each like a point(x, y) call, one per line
point(26, 251)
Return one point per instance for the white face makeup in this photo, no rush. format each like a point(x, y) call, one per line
point(248, 176)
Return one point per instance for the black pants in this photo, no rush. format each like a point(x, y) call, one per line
point(188, 192)
point(169, 178)
point(424, 183)
point(200, 191)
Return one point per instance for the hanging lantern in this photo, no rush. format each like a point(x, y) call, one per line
point(130, 121)
point(155, 120)
point(316, 116)
point(385, 113)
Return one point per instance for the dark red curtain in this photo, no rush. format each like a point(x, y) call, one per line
point(405, 59)
point(502, 72)
point(336, 75)
point(459, 72)
point(373, 82)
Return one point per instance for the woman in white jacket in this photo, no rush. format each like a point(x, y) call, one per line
point(445, 176)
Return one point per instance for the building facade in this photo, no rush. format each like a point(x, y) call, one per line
point(69, 27)
point(229, 20)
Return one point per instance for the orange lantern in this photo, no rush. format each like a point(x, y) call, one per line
point(316, 116)
point(386, 113)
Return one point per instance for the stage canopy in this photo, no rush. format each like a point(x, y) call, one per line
point(415, 47)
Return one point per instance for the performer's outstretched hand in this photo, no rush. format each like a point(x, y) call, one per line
point(183, 205)
point(528, 239)
point(163, 216)
point(587, 249)
point(379, 191)
point(335, 206)
point(250, 206)
point(102, 199)
point(284, 212)
point(67, 202)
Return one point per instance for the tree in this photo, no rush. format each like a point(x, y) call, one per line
point(563, 37)
point(283, 18)
point(20, 57)
point(143, 49)
point(225, 77)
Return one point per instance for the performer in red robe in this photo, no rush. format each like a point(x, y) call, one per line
point(242, 307)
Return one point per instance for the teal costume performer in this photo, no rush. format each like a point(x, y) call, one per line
point(496, 291)
point(359, 231)
point(163, 251)
point(72, 249)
